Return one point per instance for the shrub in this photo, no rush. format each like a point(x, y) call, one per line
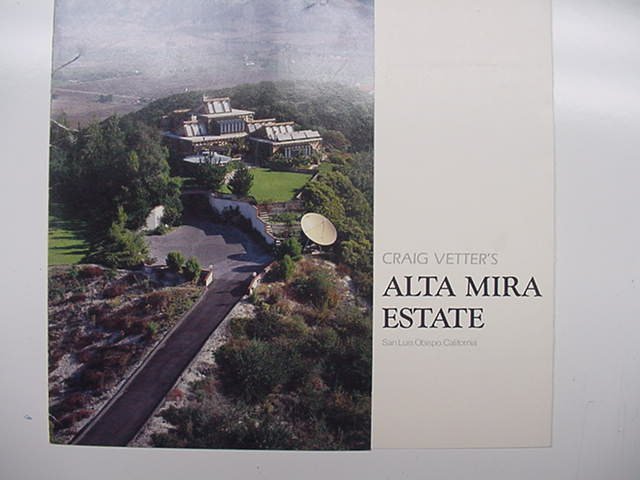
point(74, 401)
point(291, 247)
point(115, 357)
point(175, 394)
point(237, 326)
point(281, 163)
point(293, 327)
point(191, 268)
point(251, 370)
point(74, 273)
point(114, 290)
point(237, 427)
point(286, 268)
point(318, 288)
point(156, 300)
point(350, 415)
point(90, 378)
point(320, 343)
point(175, 261)
point(77, 297)
point(265, 325)
point(152, 329)
point(85, 355)
point(288, 218)
point(91, 271)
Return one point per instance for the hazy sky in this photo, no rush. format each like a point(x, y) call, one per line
point(209, 43)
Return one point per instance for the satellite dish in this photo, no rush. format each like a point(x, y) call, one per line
point(318, 229)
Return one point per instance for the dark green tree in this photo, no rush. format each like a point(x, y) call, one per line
point(210, 176)
point(241, 182)
point(175, 261)
point(335, 140)
point(122, 248)
point(111, 164)
point(290, 247)
point(191, 268)
point(287, 268)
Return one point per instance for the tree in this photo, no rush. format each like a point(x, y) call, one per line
point(122, 248)
point(111, 164)
point(175, 261)
point(210, 176)
point(321, 198)
point(287, 267)
point(353, 200)
point(172, 204)
point(356, 254)
point(241, 182)
point(191, 268)
point(335, 139)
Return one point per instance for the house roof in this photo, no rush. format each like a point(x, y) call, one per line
point(195, 129)
point(290, 135)
point(205, 138)
point(216, 104)
point(277, 129)
point(256, 124)
point(219, 107)
point(234, 112)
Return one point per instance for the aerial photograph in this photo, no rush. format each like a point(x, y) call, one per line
point(210, 264)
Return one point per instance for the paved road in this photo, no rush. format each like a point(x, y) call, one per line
point(126, 414)
point(227, 248)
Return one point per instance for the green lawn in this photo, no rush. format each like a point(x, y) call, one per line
point(66, 242)
point(270, 185)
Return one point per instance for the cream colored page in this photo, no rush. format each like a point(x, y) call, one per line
point(464, 188)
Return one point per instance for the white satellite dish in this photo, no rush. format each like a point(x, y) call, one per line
point(319, 229)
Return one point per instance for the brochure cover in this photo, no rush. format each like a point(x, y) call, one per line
point(215, 277)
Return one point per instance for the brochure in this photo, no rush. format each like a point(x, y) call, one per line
point(301, 225)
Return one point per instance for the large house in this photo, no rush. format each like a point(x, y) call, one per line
point(268, 138)
point(216, 127)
